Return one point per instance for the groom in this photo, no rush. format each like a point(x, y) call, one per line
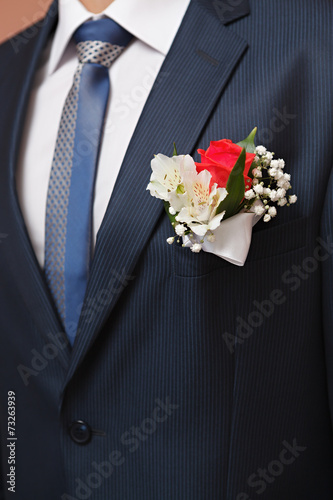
point(139, 370)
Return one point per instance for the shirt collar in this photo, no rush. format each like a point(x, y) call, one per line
point(154, 23)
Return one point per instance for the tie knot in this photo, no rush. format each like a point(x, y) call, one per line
point(100, 42)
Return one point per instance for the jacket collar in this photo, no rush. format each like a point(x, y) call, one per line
point(225, 11)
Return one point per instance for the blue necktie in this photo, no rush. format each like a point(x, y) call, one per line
point(68, 225)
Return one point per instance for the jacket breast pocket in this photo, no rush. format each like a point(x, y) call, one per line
point(267, 243)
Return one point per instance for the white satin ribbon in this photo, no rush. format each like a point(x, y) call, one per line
point(232, 238)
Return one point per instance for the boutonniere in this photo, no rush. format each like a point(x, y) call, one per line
point(213, 204)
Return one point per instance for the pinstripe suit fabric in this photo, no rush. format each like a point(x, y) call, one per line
point(178, 410)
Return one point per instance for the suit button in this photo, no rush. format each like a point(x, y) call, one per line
point(80, 432)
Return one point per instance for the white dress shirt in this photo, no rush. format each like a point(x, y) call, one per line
point(154, 25)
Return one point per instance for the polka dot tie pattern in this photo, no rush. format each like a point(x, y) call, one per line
point(98, 52)
point(58, 197)
point(71, 184)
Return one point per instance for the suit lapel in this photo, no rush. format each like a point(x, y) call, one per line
point(194, 74)
point(20, 58)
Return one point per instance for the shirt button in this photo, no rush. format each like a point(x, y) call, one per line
point(80, 432)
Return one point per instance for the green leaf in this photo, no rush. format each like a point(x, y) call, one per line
point(250, 147)
point(174, 150)
point(248, 143)
point(235, 187)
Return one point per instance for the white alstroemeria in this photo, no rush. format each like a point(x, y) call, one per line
point(199, 214)
point(166, 182)
point(201, 197)
point(165, 176)
point(181, 197)
point(198, 227)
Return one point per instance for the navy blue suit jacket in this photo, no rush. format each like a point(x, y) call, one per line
point(196, 379)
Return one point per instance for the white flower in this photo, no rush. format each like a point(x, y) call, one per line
point(281, 163)
point(267, 218)
point(292, 198)
point(282, 183)
point(166, 181)
point(281, 193)
point(261, 150)
point(198, 227)
point(199, 212)
point(268, 156)
point(180, 229)
point(259, 210)
point(282, 202)
point(249, 194)
point(257, 172)
point(259, 189)
point(171, 240)
point(273, 195)
point(275, 164)
point(196, 248)
point(272, 172)
point(267, 191)
point(278, 175)
point(272, 211)
point(188, 193)
point(255, 182)
point(287, 177)
point(165, 175)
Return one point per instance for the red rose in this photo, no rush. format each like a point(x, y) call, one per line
point(219, 160)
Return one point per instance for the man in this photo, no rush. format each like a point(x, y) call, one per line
point(186, 377)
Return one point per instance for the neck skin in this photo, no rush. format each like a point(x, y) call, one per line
point(96, 6)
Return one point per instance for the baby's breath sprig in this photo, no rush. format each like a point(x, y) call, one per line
point(270, 184)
